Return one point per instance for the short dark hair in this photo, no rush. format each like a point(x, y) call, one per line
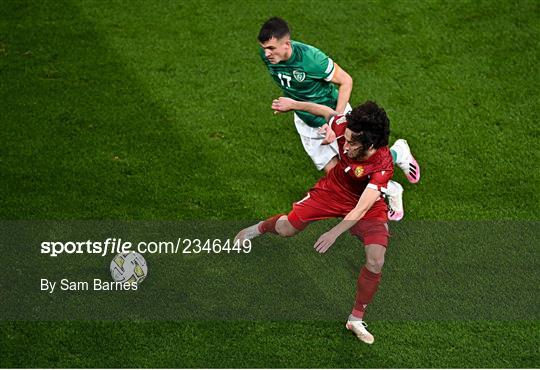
point(370, 125)
point(274, 27)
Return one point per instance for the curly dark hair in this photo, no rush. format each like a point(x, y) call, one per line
point(370, 125)
point(274, 27)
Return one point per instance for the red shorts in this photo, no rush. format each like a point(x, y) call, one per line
point(371, 229)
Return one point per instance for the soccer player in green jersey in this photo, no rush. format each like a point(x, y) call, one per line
point(305, 73)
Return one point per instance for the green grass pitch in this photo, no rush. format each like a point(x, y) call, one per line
point(160, 110)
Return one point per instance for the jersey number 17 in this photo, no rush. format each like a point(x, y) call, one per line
point(285, 80)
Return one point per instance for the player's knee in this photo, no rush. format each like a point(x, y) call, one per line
point(284, 228)
point(375, 263)
point(286, 232)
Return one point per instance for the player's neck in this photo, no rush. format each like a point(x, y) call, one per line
point(288, 55)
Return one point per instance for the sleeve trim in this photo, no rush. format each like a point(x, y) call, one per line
point(330, 69)
point(372, 186)
point(331, 120)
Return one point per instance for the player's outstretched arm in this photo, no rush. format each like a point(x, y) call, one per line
point(283, 104)
point(345, 83)
point(366, 201)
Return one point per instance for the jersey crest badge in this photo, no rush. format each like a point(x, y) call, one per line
point(299, 75)
point(359, 171)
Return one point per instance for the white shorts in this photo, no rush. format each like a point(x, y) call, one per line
point(312, 139)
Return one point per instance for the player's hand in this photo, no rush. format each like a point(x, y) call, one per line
point(329, 134)
point(282, 104)
point(325, 241)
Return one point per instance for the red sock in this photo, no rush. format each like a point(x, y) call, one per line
point(269, 226)
point(366, 287)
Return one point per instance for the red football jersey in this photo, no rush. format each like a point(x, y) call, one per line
point(349, 178)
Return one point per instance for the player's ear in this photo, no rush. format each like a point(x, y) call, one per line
point(288, 41)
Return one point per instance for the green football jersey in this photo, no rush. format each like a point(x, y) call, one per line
point(306, 77)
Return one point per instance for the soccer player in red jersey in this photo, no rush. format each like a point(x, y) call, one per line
point(305, 73)
point(353, 189)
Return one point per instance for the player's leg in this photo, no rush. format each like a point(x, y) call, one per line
point(394, 195)
point(403, 158)
point(366, 287)
point(324, 157)
point(375, 237)
point(369, 278)
point(278, 224)
point(314, 206)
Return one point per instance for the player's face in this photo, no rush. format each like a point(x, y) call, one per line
point(277, 50)
point(353, 149)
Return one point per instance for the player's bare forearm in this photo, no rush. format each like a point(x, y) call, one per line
point(283, 104)
point(315, 109)
point(349, 221)
point(345, 83)
point(343, 98)
point(366, 201)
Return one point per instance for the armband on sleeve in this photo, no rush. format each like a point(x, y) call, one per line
point(330, 70)
point(319, 65)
